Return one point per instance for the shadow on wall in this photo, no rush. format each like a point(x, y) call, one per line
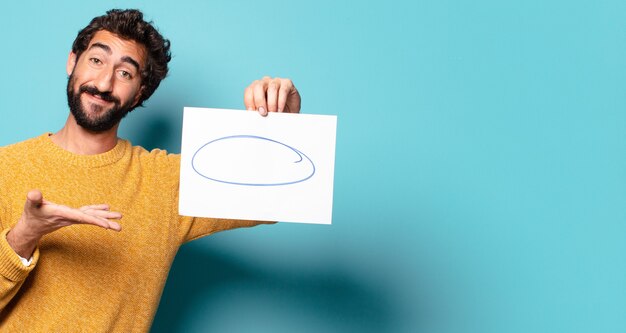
point(336, 299)
point(157, 133)
point(154, 128)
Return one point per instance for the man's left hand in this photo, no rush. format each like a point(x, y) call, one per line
point(273, 95)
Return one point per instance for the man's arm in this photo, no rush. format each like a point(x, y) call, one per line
point(264, 95)
point(40, 217)
point(13, 271)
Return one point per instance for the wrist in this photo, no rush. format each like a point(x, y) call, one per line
point(22, 240)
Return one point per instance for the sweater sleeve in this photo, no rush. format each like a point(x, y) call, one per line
point(197, 227)
point(190, 228)
point(13, 273)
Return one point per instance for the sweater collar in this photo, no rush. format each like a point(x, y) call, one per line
point(94, 161)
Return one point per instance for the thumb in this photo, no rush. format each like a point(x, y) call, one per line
point(34, 199)
point(294, 101)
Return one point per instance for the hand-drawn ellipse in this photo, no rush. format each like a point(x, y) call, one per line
point(252, 161)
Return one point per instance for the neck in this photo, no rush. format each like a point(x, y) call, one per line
point(77, 140)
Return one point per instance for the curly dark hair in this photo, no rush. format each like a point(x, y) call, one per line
point(129, 24)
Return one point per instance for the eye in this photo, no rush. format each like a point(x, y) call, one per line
point(126, 75)
point(95, 61)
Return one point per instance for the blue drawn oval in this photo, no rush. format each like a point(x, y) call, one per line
point(300, 155)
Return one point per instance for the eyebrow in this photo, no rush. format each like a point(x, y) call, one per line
point(107, 49)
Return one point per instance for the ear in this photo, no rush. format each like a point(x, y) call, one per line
point(138, 95)
point(71, 63)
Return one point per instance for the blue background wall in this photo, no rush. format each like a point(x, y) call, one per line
point(480, 178)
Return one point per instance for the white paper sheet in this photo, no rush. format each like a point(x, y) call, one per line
point(239, 165)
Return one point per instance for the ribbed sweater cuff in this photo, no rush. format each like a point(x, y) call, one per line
point(10, 265)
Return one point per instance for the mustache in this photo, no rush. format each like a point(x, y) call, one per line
point(106, 96)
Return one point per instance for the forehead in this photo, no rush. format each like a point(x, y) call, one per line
point(119, 47)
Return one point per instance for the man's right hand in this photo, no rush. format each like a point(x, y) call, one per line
point(41, 217)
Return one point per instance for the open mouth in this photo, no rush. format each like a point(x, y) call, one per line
point(96, 95)
point(99, 98)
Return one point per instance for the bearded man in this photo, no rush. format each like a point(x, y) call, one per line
point(91, 246)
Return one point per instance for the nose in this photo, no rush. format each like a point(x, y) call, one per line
point(104, 81)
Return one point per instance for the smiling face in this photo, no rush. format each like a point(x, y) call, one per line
point(105, 81)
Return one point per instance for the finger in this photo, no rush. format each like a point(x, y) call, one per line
point(248, 98)
point(285, 89)
point(99, 206)
point(272, 95)
point(103, 214)
point(75, 216)
point(34, 199)
point(259, 97)
point(115, 226)
point(100, 222)
point(293, 101)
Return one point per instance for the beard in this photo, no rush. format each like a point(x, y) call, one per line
point(102, 120)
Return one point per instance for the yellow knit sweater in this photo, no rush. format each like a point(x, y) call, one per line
point(84, 278)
